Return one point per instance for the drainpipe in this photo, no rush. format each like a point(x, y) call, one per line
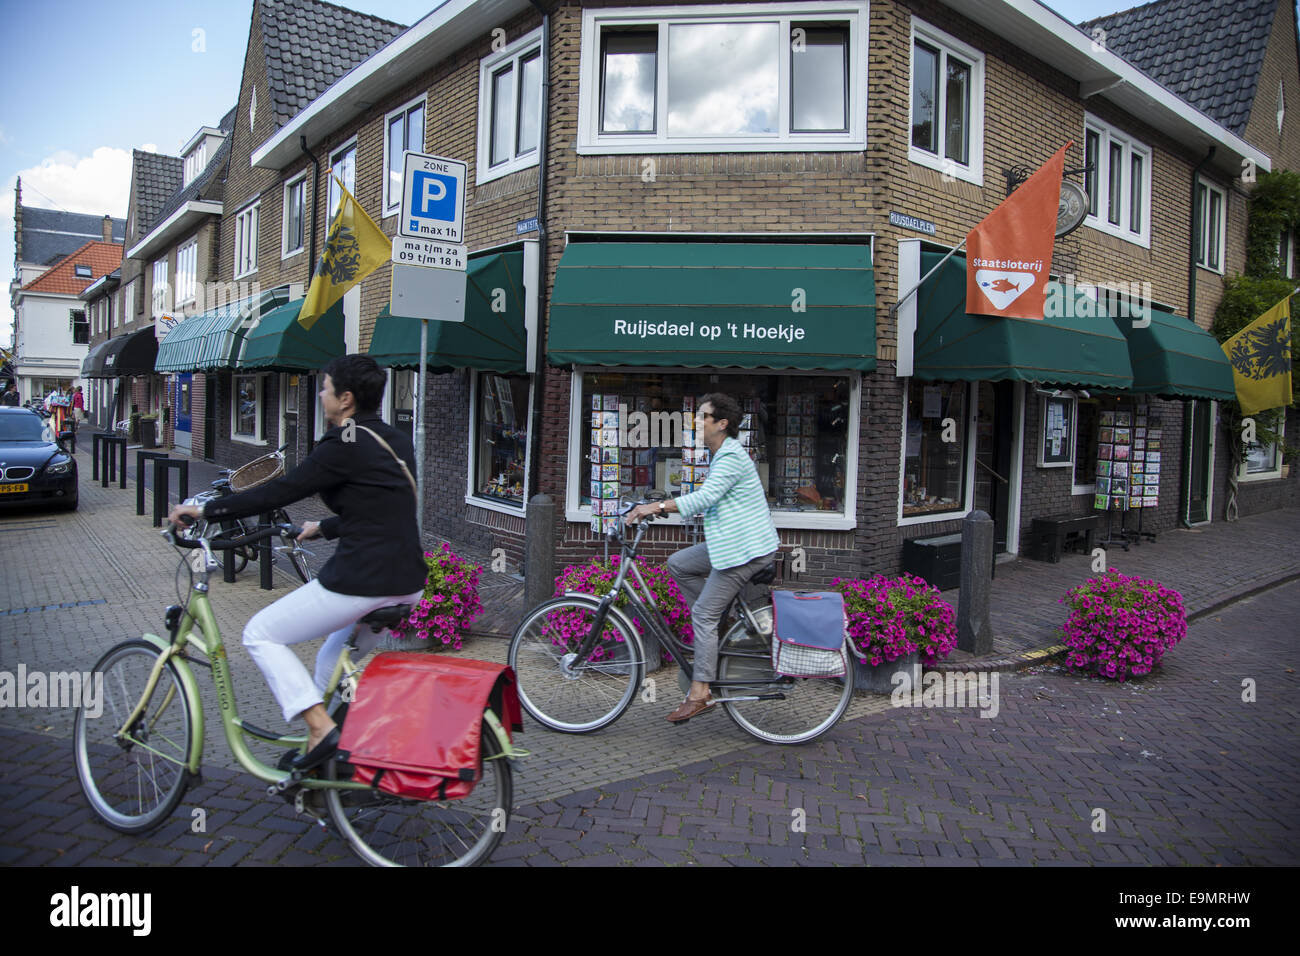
point(539, 355)
point(315, 184)
point(311, 267)
point(1191, 307)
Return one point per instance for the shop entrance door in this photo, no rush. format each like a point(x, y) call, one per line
point(184, 419)
point(1198, 474)
point(993, 446)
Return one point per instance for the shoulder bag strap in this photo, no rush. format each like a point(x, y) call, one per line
point(389, 448)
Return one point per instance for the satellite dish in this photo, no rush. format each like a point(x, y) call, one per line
point(1073, 208)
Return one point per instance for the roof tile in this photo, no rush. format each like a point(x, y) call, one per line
point(1207, 52)
point(102, 257)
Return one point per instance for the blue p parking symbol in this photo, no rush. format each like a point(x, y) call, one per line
point(434, 197)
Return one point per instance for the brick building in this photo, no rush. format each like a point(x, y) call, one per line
point(702, 171)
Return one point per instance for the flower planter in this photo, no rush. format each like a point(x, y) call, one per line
point(880, 679)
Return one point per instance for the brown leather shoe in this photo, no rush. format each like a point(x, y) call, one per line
point(689, 708)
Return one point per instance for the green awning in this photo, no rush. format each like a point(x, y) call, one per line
point(278, 343)
point(1175, 358)
point(213, 339)
point(1075, 344)
point(491, 338)
point(695, 304)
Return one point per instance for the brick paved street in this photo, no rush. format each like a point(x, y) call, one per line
point(1184, 770)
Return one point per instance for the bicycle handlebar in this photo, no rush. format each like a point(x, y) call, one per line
point(224, 543)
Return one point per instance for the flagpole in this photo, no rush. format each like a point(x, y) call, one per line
point(422, 379)
point(893, 309)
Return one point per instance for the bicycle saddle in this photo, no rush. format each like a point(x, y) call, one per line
point(386, 616)
point(766, 576)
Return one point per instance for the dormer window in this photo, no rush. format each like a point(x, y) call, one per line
point(195, 161)
point(82, 272)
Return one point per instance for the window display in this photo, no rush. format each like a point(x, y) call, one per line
point(639, 435)
point(502, 438)
point(934, 467)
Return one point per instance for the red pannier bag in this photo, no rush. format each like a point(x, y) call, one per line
point(413, 728)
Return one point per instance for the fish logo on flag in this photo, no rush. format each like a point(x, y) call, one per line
point(354, 248)
point(1009, 254)
point(1260, 355)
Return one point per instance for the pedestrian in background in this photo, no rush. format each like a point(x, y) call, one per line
point(78, 407)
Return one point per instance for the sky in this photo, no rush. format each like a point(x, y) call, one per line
point(146, 75)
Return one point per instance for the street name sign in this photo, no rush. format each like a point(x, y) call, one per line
point(433, 199)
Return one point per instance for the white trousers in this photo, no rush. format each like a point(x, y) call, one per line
point(302, 615)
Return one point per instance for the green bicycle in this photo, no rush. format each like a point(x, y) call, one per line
point(137, 758)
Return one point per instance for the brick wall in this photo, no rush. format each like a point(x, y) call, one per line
point(1280, 65)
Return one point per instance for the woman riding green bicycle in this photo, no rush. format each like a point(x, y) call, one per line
point(362, 469)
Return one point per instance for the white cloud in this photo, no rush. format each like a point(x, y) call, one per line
point(149, 148)
point(99, 183)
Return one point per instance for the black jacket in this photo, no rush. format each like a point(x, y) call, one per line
point(379, 550)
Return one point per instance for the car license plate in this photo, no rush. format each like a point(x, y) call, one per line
point(5, 489)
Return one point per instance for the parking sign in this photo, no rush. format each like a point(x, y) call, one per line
point(433, 198)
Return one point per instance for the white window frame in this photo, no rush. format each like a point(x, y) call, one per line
point(1107, 135)
point(513, 54)
point(187, 275)
point(128, 303)
point(1078, 487)
point(1276, 471)
point(285, 251)
point(246, 239)
point(159, 288)
point(1208, 229)
point(591, 141)
point(470, 497)
point(392, 203)
point(843, 521)
point(332, 195)
point(1286, 253)
point(968, 485)
point(972, 172)
point(259, 436)
point(196, 161)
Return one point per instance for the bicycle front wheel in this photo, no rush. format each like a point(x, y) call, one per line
point(385, 830)
point(133, 782)
point(809, 706)
point(562, 693)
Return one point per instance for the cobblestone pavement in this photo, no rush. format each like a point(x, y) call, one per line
point(1184, 770)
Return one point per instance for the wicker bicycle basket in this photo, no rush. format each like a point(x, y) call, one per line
point(257, 472)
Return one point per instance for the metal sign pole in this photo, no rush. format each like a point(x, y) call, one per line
point(422, 379)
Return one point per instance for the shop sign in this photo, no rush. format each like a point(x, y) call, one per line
point(911, 222)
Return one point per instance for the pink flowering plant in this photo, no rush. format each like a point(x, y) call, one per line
point(567, 628)
point(1120, 626)
point(450, 603)
point(890, 618)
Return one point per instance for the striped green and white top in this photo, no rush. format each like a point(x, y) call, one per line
point(737, 523)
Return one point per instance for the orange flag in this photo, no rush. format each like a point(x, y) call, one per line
point(1009, 254)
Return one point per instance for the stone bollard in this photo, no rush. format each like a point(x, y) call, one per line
point(539, 551)
point(974, 630)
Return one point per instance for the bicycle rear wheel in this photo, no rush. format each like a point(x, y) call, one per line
point(385, 830)
point(134, 783)
point(571, 697)
point(810, 707)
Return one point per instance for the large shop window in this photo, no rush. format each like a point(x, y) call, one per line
point(934, 460)
point(635, 433)
point(780, 76)
point(1262, 461)
point(501, 439)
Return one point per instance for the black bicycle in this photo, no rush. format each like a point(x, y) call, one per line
point(579, 662)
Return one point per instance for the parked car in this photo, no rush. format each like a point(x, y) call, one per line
point(34, 466)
